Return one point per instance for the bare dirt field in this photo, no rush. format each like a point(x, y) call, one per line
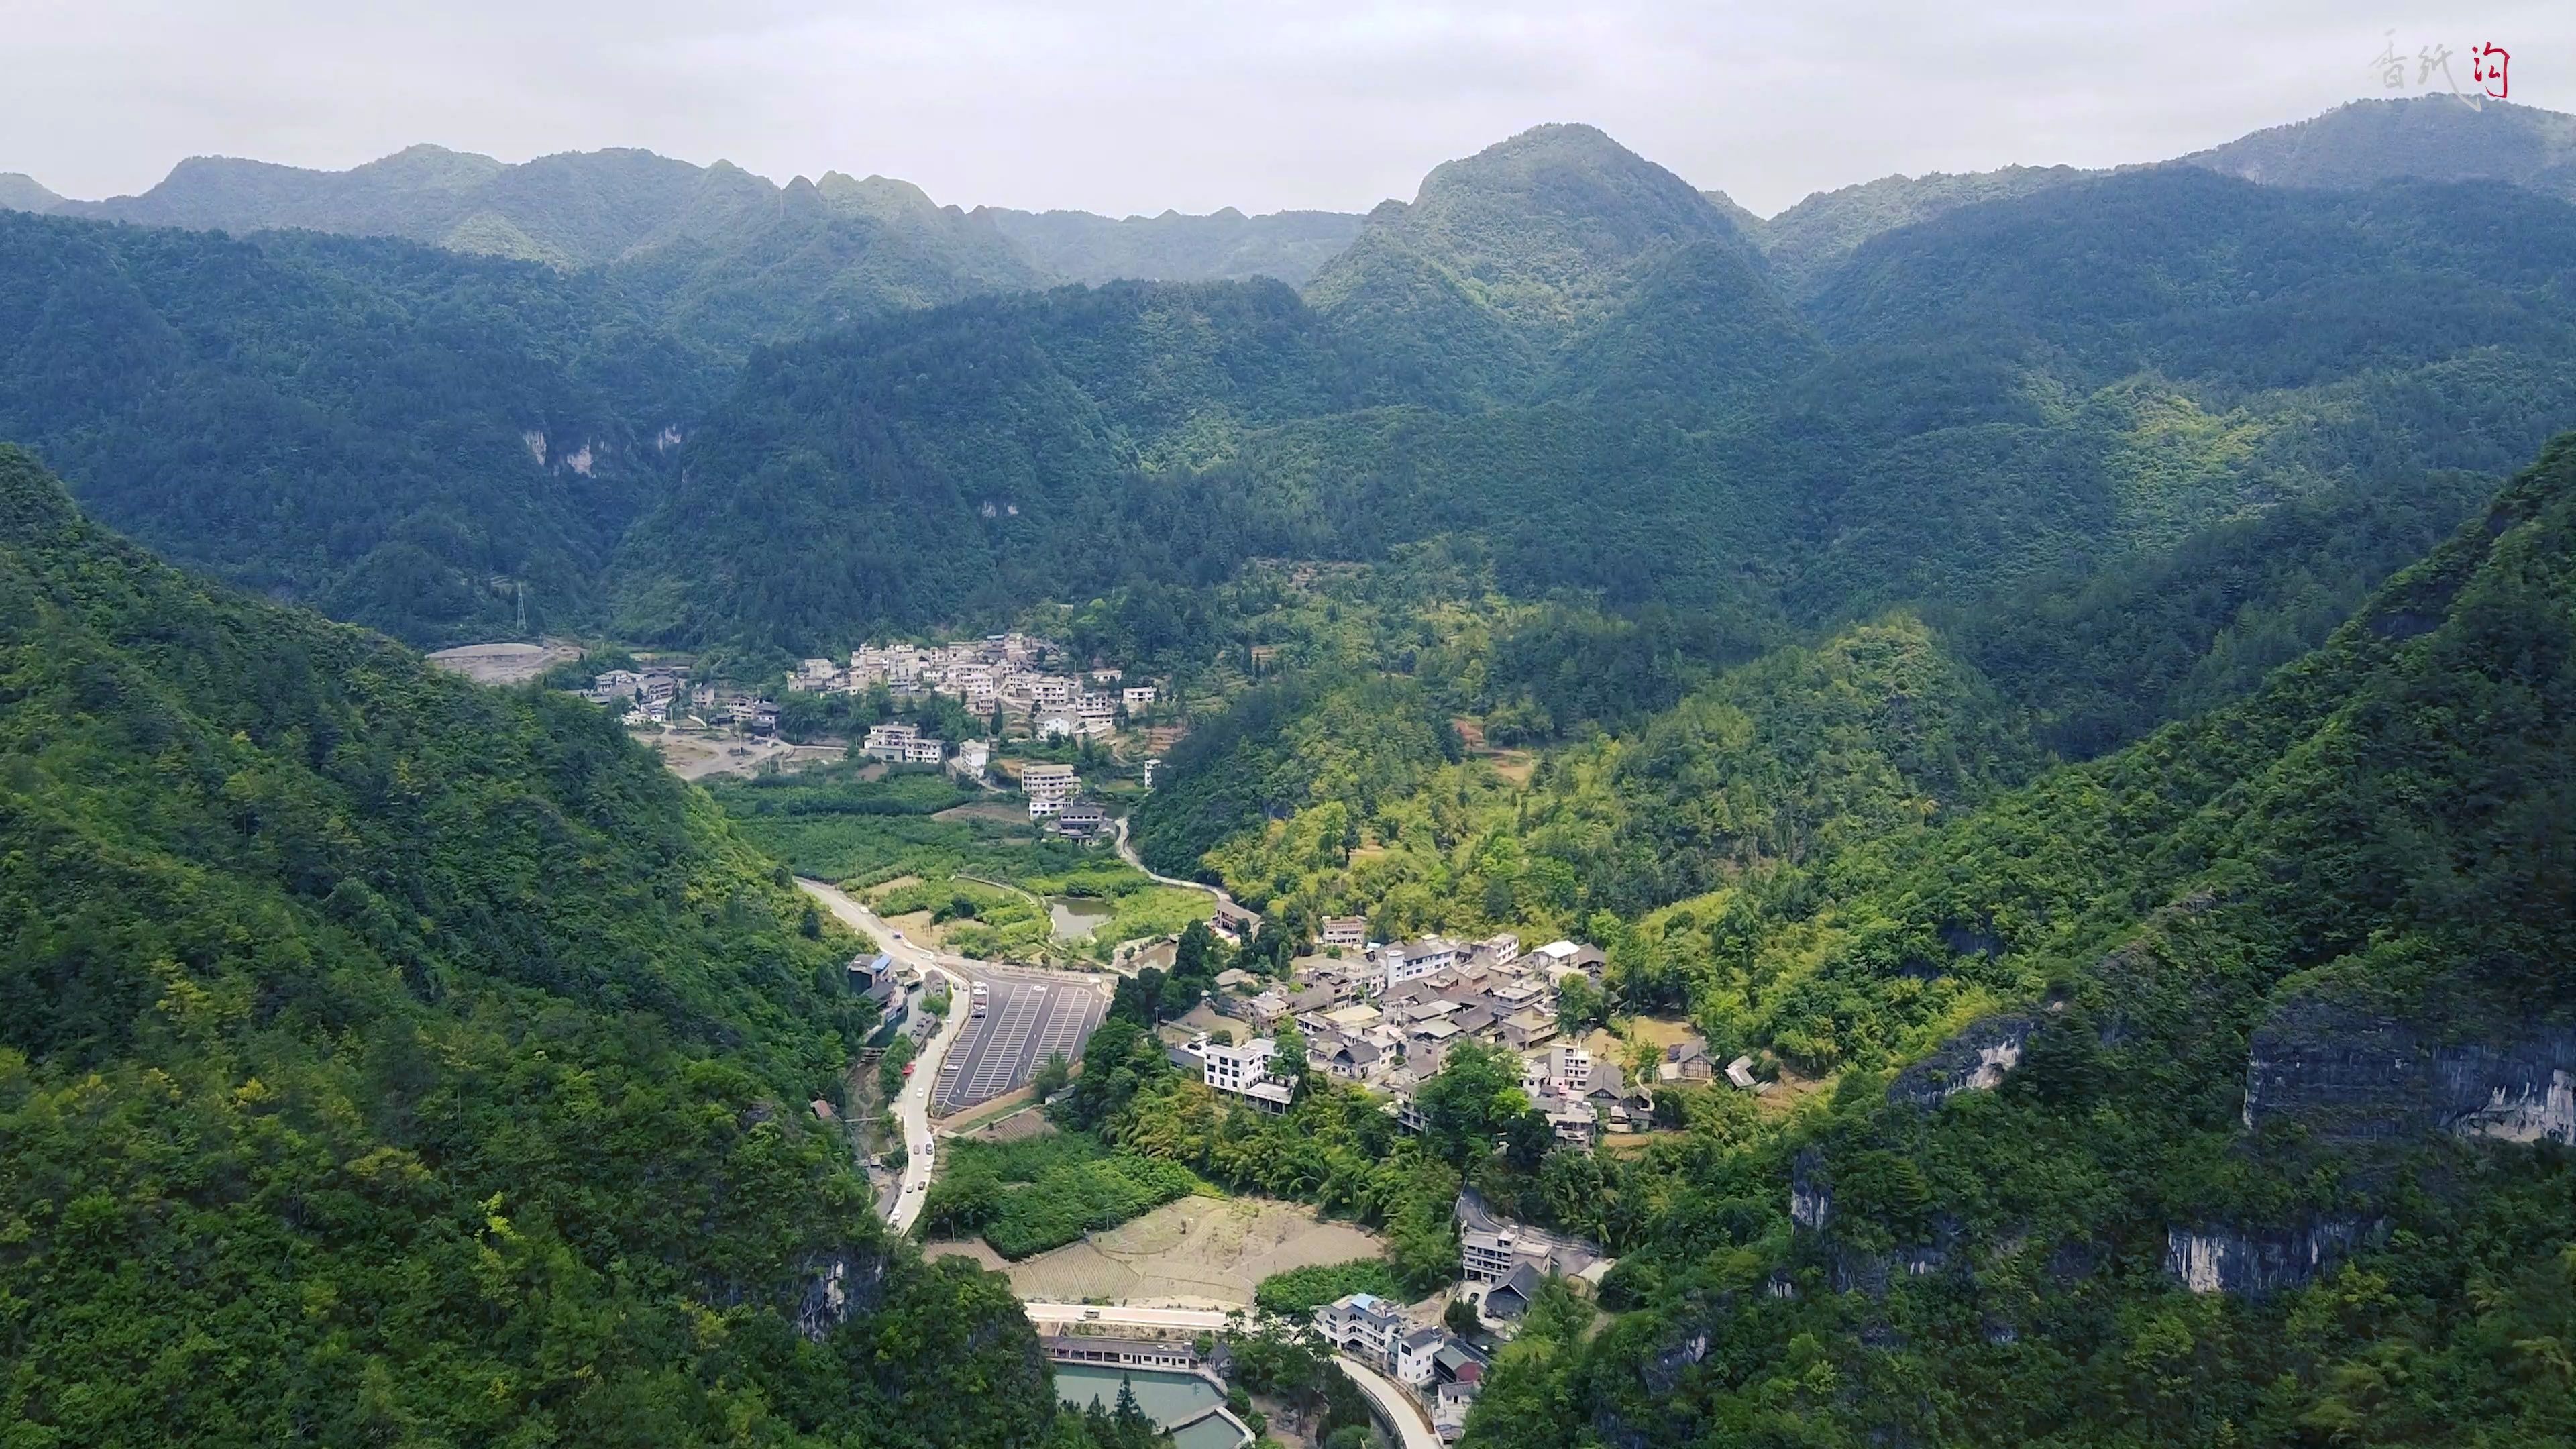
point(1199, 1252)
point(1001, 811)
point(1017, 1120)
point(694, 756)
point(504, 663)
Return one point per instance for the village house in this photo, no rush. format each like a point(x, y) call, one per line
point(971, 760)
point(1411, 960)
point(1740, 1073)
point(1136, 698)
point(1348, 932)
point(902, 744)
point(1081, 819)
point(1563, 958)
point(1411, 1357)
point(1349, 1058)
point(1509, 1299)
point(1048, 787)
point(1362, 1325)
point(1450, 1403)
point(1244, 1071)
point(1686, 1061)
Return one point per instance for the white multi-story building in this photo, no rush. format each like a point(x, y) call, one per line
point(1412, 960)
point(1048, 788)
point(902, 744)
point(1244, 1071)
point(1363, 1325)
point(1564, 1068)
point(1137, 698)
point(1232, 1068)
point(1488, 1255)
point(1043, 689)
point(1411, 1357)
point(1344, 931)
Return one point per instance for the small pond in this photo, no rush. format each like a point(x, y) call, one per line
point(1167, 1398)
point(1078, 916)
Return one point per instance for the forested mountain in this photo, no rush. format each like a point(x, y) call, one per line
point(445, 447)
point(566, 209)
point(2211, 1093)
point(1809, 239)
point(2015, 392)
point(2432, 137)
point(20, 192)
point(386, 1058)
point(729, 255)
point(1559, 357)
point(2353, 147)
point(1509, 256)
point(1226, 245)
point(966, 462)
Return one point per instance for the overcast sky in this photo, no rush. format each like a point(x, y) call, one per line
point(1137, 105)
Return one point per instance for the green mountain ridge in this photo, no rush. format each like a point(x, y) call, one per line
point(1224, 245)
point(2105, 1242)
point(445, 447)
point(383, 1057)
point(1511, 254)
point(20, 192)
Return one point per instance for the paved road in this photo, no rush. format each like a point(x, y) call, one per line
point(1394, 1405)
point(1113, 1316)
point(1231, 906)
point(1030, 1016)
point(912, 1105)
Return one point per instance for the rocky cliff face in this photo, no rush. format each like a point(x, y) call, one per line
point(1976, 1060)
point(2258, 1261)
point(2353, 1078)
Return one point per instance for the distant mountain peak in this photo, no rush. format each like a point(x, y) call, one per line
point(1505, 257)
point(21, 192)
point(2435, 137)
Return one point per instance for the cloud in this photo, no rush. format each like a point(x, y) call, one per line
point(1139, 105)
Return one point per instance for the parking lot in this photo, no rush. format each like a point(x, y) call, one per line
point(1032, 1016)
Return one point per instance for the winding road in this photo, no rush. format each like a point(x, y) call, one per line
point(912, 1105)
point(1226, 904)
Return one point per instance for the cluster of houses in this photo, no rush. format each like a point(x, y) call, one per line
point(1386, 1017)
point(658, 696)
point(1504, 1263)
point(1012, 673)
point(1055, 797)
point(1442, 1371)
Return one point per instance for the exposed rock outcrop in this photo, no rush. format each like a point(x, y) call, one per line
point(2353, 1078)
point(839, 1285)
point(1811, 1201)
point(1976, 1060)
point(2259, 1261)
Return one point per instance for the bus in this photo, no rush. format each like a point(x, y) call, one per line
point(982, 999)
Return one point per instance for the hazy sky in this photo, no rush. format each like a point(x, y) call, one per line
point(1139, 105)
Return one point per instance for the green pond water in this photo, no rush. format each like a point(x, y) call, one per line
point(1077, 916)
point(1166, 1398)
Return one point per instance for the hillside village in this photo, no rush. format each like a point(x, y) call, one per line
point(1008, 684)
point(1385, 1017)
